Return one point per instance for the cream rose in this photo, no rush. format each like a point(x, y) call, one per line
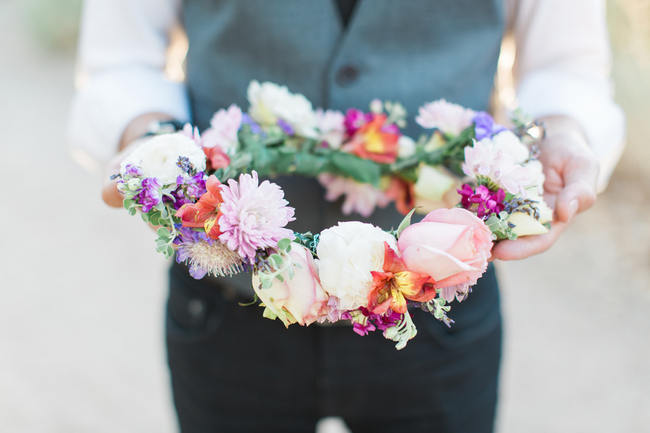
point(298, 298)
point(348, 252)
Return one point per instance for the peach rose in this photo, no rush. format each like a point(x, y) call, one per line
point(298, 298)
point(450, 245)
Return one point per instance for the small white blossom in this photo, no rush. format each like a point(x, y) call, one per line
point(270, 102)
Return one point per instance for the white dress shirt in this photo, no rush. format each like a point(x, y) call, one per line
point(562, 68)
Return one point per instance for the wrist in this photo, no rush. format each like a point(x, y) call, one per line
point(563, 127)
point(142, 126)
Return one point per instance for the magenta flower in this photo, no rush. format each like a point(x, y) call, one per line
point(253, 215)
point(482, 201)
point(354, 120)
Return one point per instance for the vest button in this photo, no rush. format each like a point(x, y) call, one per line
point(346, 75)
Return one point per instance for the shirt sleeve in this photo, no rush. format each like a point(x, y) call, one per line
point(562, 67)
point(120, 72)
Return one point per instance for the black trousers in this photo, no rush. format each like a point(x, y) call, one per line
point(234, 371)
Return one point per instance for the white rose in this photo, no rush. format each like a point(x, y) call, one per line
point(347, 253)
point(270, 102)
point(158, 157)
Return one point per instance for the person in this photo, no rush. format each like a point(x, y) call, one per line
point(231, 369)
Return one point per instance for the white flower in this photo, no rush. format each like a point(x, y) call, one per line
point(348, 252)
point(502, 160)
point(331, 127)
point(158, 157)
point(270, 102)
point(447, 117)
point(525, 224)
point(405, 146)
point(509, 143)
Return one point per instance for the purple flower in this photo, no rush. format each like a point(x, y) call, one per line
point(248, 120)
point(253, 215)
point(482, 201)
point(149, 195)
point(131, 170)
point(189, 190)
point(285, 127)
point(484, 126)
point(363, 321)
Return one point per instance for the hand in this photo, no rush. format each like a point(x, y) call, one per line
point(134, 130)
point(571, 171)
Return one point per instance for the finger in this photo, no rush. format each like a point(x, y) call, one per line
point(579, 192)
point(111, 195)
point(528, 245)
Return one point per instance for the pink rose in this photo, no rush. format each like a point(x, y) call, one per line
point(450, 245)
point(299, 298)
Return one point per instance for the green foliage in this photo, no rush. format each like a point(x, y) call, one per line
point(405, 223)
point(500, 227)
point(308, 240)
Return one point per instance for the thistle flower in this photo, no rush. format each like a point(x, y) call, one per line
point(253, 215)
point(205, 256)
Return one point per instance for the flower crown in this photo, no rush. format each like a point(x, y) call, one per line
point(203, 191)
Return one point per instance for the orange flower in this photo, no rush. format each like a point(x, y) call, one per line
point(401, 191)
point(205, 212)
point(372, 141)
point(392, 287)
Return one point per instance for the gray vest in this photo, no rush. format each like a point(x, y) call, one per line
point(411, 51)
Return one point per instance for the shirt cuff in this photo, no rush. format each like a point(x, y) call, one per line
point(108, 101)
point(549, 93)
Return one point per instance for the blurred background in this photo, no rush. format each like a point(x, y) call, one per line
point(81, 338)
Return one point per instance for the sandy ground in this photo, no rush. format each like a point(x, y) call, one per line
point(81, 347)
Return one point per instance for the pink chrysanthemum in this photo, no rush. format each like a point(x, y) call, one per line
point(253, 215)
point(359, 197)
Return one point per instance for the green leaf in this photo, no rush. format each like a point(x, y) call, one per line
point(309, 164)
point(154, 219)
point(405, 222)
point(362, 170)
point(276, 259)
point(163, 233)
point(129, 204)
point(284, 244)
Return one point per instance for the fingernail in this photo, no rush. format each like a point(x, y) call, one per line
point(573, 208)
